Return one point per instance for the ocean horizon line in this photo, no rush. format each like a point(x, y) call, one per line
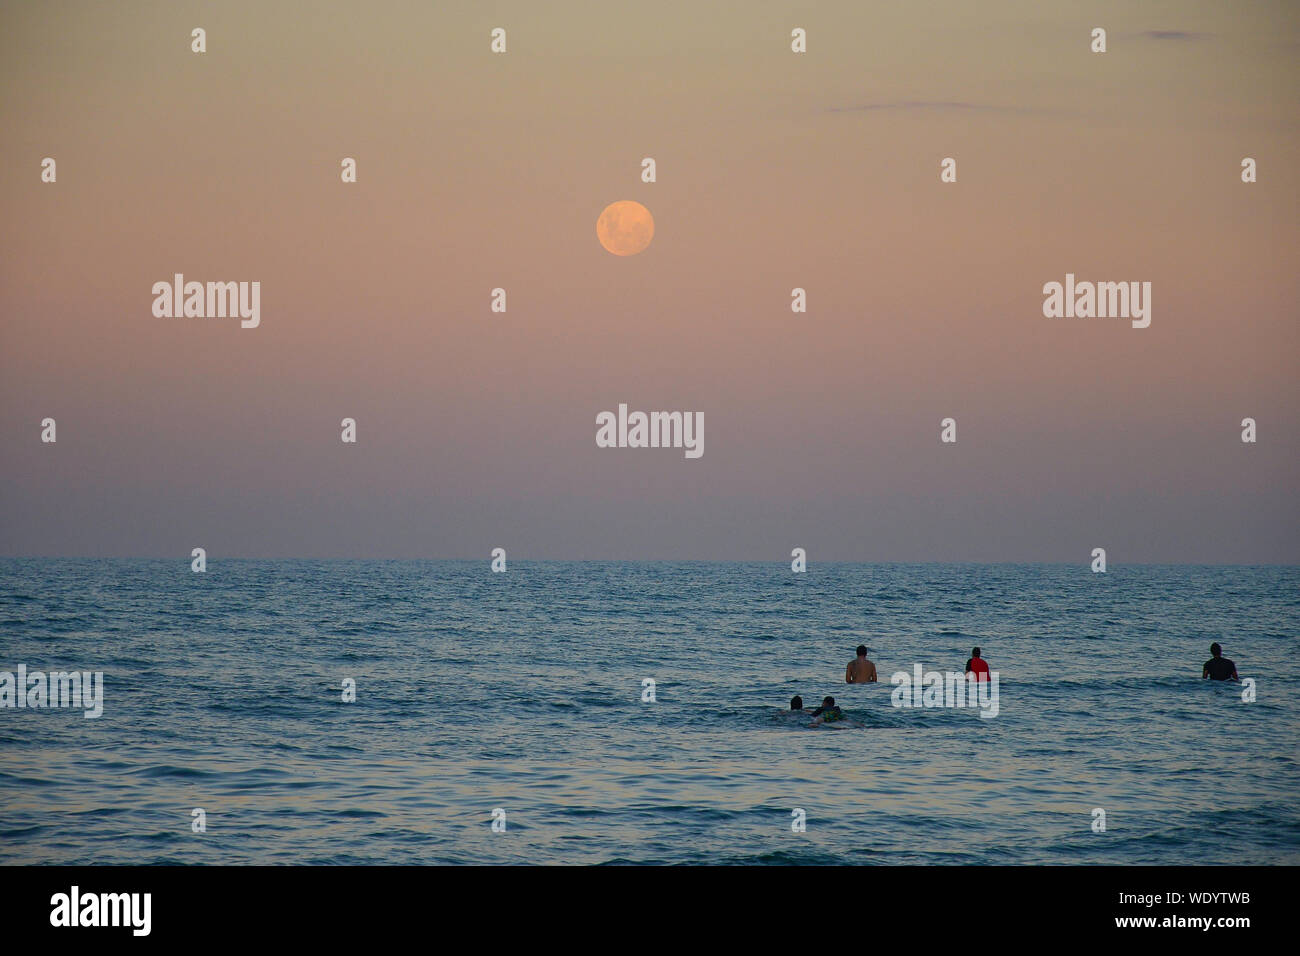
point(486, 559)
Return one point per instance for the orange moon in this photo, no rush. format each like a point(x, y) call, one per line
point(625, 228)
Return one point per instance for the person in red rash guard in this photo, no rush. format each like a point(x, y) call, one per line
point(977, 665)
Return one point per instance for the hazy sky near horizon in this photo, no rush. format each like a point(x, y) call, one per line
point(775, 170)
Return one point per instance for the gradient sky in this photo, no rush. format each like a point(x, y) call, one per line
point(776, 170)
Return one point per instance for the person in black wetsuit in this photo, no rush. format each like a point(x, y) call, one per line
point(827, 712)
point(1219, 667)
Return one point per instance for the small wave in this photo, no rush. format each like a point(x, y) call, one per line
point(167, 770)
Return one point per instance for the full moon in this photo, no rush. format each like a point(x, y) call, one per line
point(625, 227)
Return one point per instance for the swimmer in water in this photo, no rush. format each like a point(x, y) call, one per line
point(861, 670)
point(827, 713)
point(796, 704)
point(977, 665)
point(1219, 667)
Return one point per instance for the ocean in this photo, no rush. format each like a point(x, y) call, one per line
point(518, 697)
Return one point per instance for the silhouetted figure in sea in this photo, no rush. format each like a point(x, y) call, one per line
point(1219, 667)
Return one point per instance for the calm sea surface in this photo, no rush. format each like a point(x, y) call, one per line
point(522, 691)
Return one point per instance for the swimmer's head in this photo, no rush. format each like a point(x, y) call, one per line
point(974, 652)
point(796, 702)
point(862, 650)
point(1215, 649)
point(828, 702)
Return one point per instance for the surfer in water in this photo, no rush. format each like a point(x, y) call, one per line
point(827, 713)
point(860, 670)
point(1219, 667)
point(977, 665)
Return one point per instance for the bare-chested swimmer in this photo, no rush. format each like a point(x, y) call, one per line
point(861, 670)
